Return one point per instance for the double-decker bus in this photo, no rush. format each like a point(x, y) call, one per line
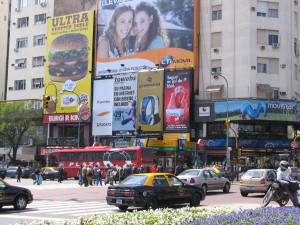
point(71, 159)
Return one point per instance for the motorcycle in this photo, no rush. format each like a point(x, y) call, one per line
point(276, 193)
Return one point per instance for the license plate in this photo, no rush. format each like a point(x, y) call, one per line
point(119, 201)
point(250, 187)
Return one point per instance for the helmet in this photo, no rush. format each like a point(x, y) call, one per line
point(284, 165)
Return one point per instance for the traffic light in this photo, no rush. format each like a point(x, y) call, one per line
point(227, 122)
point(46, 99)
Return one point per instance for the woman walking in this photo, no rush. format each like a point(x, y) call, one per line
point(19, 173)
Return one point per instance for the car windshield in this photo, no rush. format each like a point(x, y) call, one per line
point(254, 174)
point(190, 172)
point(135, 180)
point(11, 168)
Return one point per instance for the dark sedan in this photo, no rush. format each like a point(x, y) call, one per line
point(151, 190)
point(12, 195)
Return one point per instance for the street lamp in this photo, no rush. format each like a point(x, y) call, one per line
point(216, 75)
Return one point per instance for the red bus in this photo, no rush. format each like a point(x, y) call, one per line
point(71, 159)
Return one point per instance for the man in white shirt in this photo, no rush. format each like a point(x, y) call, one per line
point(283, 175)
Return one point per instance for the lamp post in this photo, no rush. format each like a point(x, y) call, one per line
point(227, 121)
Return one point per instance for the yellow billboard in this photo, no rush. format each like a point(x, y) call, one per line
point(68, 62)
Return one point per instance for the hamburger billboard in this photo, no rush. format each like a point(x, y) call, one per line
point(68, 62)
point(138, 34)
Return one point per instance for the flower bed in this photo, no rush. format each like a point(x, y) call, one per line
point(191, 216)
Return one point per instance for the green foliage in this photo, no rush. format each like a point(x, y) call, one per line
point(16, 120)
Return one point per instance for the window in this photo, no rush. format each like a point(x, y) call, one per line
point(261, 68)
point(216, 39)
point(22, 42)
point(217, 15)
point(273, 95)
point(40, 19)
point(37, 2)
point(273, 13)
point(20, 85)
point(23, 3)
point(38, 61)
point(273, 39)
point(37, 83)
point(23, 22)
point(39, 40)
point(20, 63)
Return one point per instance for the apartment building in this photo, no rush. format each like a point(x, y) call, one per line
point(26, 58)
point(4, 24)
point(249, 70)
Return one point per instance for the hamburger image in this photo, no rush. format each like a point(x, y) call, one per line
point(68, 57)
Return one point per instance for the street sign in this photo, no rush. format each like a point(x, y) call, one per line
point(201, 144)
point(293, 144)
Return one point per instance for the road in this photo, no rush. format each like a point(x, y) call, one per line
point(59, 201)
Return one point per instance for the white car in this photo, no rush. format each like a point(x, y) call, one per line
point(205, 178)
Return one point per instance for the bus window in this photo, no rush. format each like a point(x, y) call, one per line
point(53, 160)
point(76, 156)
point(66, 156)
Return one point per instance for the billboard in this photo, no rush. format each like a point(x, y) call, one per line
point(135, 35)
point(177, 100)
point(256, 110)
point(68, 62)
point(102, 107)
point(124, 107)
point(150, 101)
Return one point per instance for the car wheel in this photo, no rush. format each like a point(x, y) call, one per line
point(195, 200)
point(226, 188)
point(20, 202)
point(204, 186)
point(123, 208)
point(52, 178)
point(151, 203)
point(244, 194)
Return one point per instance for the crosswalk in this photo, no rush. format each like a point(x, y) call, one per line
point(60, 210)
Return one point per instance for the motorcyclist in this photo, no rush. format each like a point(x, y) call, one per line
point(283, 175)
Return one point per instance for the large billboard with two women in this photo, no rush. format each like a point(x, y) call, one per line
point(137, 34)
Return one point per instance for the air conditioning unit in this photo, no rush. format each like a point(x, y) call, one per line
point(275, 45)
point(282, 65)
point(296, 2)
point(43, 4)
point(216, 50)
point(253, 8)
point(262, 47)
point(17, 9)
point(283, 93)
point(16, 50)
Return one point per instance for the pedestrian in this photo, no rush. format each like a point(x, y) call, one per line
point(178, 169)
point(134, 169)
point(84, 176)
point(99, 178)
point(19, 173)
point(37, 173)
point(126, 171)
point(80, 177)
point(283, 175)
point(153, 169)
point(160, 168)
point(60, 174)
point(95, 173)
point(90, 175)
point(141, 169)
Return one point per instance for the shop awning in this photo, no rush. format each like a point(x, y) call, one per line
point(265, 87)
point(214, 88)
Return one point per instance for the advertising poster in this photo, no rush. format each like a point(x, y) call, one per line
point(140, 34)
point(102, 107)
point(68, 62)
point(256, 110)
point(177, 95)
point(124, 110)
point(150, 101)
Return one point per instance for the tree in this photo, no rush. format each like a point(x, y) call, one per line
point(17, 120)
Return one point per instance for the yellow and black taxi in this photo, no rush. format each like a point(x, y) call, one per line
point(51, 173)
point(151, 190)
point(19, 197)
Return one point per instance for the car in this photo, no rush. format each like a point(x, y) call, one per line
point(51, 173)
point(151, 190)
point(256, 181)
point(3, 173)
point(19, 197)
point(205, 178)
point(11, 171)
point(295, 173)
point(26, 172)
